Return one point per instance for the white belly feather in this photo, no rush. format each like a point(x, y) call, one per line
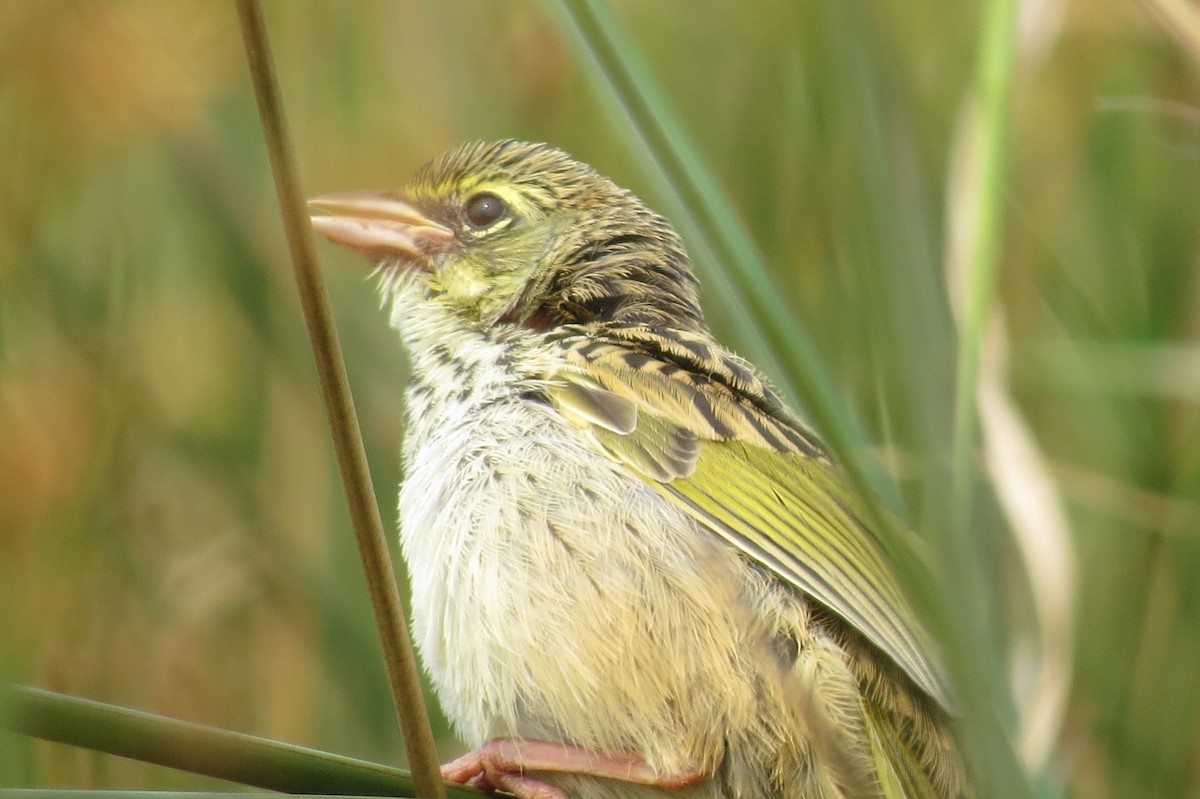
point(557, 596)
point(547, 585)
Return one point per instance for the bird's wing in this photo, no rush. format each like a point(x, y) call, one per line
point(898, 771)
point(706, 432)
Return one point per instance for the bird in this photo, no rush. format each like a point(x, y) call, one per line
point(635, 571)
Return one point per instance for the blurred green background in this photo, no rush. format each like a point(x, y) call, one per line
point(172, 535)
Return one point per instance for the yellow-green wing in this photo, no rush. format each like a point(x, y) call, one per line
point(709, 435)
point(792, 514)
point(897, 770)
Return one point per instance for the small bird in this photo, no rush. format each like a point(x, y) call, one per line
point(635, 572)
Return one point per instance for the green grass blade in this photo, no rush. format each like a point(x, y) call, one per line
point(91, 793)
point(197, 748)
point(724, 253)
point(973, 656)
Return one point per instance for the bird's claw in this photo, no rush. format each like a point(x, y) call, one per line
point(502, 764)
point(493, 767)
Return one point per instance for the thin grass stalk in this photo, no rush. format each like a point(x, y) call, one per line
point(977, 216)
point(1032, 503)
point(724, 252)
point(197, 748)
point(116, 793)
point(400, 662)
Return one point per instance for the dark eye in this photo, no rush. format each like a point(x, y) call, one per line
point(484, 208)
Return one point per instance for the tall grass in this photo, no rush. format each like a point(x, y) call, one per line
point(171, 531)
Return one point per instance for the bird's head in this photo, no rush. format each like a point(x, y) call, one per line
point(522, 234)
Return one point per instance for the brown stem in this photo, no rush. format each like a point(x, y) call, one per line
point(398, 656)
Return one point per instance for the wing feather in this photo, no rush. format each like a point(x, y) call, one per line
point(711, 436)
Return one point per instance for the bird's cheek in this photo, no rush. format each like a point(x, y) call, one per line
point(461, 285)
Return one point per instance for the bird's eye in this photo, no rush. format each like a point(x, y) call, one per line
point(484, 208)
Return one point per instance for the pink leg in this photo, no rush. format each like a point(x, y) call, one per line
point(501, 763)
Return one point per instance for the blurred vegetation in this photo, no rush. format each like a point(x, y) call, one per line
point(171, 529)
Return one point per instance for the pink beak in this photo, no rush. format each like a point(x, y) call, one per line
point(379, 225)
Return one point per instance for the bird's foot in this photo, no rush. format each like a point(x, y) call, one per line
point(502, 763)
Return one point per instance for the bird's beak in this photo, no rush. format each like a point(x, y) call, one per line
point(380, 225)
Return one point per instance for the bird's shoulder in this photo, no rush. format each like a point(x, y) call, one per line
point(674, 381)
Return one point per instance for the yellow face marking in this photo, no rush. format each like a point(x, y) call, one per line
point(523, 201)
point(517, 199)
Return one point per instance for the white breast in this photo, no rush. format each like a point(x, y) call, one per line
point(555, 594)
